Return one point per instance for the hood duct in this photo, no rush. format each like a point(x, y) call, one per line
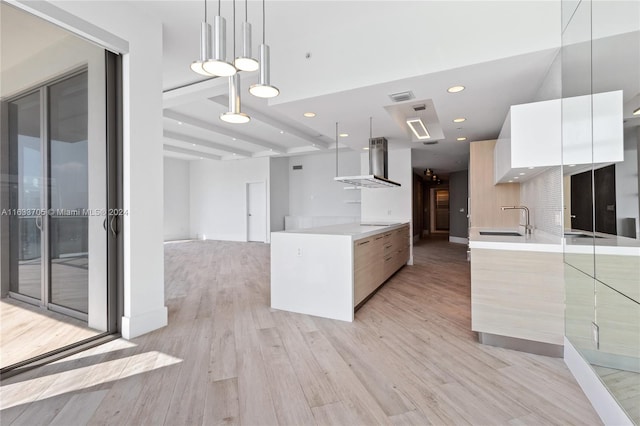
point(378, 168)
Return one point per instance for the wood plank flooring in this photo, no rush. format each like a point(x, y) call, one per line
point(227, 358)
point(27, 331)
point(625, 386)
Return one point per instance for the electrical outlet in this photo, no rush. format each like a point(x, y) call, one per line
point(388, 212)
point(299, 251)
point(595, 332)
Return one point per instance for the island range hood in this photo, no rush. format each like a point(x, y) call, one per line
point(378, 163)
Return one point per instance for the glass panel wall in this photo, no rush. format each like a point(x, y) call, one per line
point(601, 92)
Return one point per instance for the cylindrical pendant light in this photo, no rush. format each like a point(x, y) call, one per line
point(245, 62)
point(264, 89)
point(205, 46)
point(234, 115)
point(218, 65)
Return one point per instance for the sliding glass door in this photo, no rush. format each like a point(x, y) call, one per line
point(49, 209)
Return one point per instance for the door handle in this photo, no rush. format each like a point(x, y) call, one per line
point(104, 224)
point(573, 216)
point(39, 222)
point(112, 227)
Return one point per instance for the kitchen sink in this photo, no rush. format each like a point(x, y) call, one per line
point(579, 235)
point(502, 233)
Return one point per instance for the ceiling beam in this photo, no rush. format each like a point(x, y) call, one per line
point(265, 118)
point(206, 144)
point(179, 150)
point(172, 115)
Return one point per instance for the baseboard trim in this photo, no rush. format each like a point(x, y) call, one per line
point(522, 345)
point(601, 399)
point(458, 240)
point(141, 324)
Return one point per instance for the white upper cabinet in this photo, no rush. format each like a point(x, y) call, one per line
point(596, 118)
point(532, 137)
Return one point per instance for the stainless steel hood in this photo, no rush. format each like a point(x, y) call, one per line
point(378, 163)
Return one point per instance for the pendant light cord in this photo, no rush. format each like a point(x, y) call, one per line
point(246, 11)
point(234, 28)
point(337, 149)
point(205, 11)
point(218, 7)
point(370, 127)
point(263, 23)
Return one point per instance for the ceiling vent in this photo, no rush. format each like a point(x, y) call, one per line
point(421, 107)
point(402, 96)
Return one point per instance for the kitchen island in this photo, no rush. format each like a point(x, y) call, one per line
point(517, 290)
point(330, 271)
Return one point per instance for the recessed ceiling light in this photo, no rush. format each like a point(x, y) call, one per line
point(522, 174)
point(366, 148)
point(344, 135)
point(516, 177)
point(309, 114)
point(510, 181)
point(531, 168)
point(572, 165)
point(180, 122)
point(461, 139)
point(281, 132)
point(455, 89)
point(233, 139)
point(193, 144)
point(636, 111)
point(459, 120)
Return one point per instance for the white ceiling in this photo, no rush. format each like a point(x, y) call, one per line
point(341, 60)
point(360, 52)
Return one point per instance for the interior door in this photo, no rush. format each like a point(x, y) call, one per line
point(581, 202)
point(256, 212)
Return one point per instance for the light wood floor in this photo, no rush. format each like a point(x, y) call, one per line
point(227, 358)
point(625, 386)
point(27, 331)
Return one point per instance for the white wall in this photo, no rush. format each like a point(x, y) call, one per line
point(128, 30)
point(219, 198)
point(176, 199)
point(313, 192)
point(390, 204)
point(279, 176)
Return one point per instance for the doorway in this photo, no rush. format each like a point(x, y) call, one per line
point(439, 216)
point(257, 212)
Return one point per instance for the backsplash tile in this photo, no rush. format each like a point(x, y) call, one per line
point(543, 196)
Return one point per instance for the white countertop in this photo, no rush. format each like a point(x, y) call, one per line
point(357, 231)
point(542, 241)
point(605, 244)
point(539, 241)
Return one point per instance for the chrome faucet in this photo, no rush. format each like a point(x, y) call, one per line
point(527, 227)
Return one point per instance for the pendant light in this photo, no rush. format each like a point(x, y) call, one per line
point(234, 115)
point(218, 65)
point(205, 46)
point(246, 62)
point(264, 89)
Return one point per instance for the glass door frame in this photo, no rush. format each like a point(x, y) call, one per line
point(45, 204)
